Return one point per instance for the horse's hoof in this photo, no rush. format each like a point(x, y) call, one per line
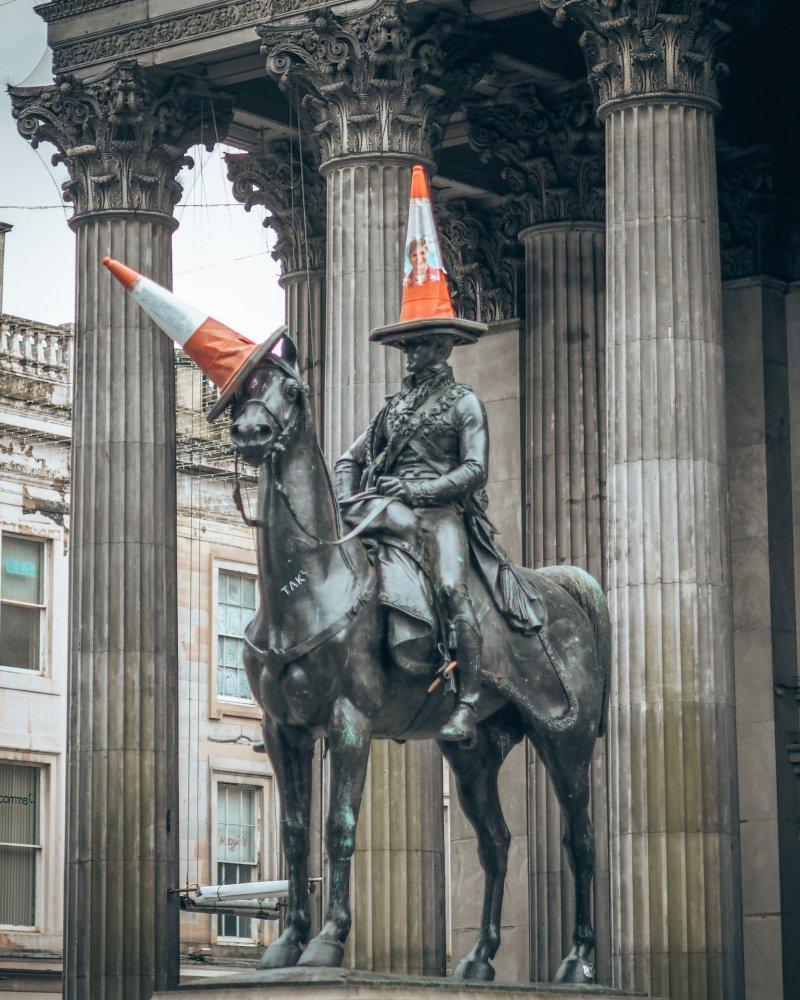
point(474, 970)
point(323, 952)
point(575, 971)
point(280, 955)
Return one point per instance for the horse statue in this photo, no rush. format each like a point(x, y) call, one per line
point(321, 664)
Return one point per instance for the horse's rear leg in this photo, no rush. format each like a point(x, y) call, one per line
point(572, 785)
point(476, 771)
point(291, 751)
point(348, 741)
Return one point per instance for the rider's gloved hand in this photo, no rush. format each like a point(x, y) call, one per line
point(391, 486)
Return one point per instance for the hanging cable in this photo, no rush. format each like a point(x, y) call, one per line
point(217, 148)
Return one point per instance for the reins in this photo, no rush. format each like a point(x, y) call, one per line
point(277, 448)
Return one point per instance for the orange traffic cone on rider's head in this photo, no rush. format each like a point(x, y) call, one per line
point(223, 354)
point(427, 306)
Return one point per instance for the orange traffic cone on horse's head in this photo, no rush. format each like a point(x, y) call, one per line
point(427, 306)
point(223, 354)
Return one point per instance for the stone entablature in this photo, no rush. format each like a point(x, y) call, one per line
point(112, 42)
point(293, 192)
point(124, 136)
point(374, 83)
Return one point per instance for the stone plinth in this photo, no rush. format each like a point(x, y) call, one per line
point(351, 984)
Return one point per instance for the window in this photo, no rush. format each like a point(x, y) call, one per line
point(237, 850)
point(236, 605)
point(21, 602)
point(20, 844)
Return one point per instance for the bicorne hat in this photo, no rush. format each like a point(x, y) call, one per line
point(227, 357)
point(427, 308)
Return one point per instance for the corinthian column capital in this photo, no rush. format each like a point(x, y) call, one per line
point(374, 84)
point(124, 136)
point(293, 192)
point(481, 262)
point(645, 49)
point(758, 216)
point(549, 149)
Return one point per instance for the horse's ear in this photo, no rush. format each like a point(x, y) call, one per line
point(289, 350)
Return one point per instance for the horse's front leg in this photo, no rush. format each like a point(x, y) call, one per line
point(349, 737)
point(291, 751)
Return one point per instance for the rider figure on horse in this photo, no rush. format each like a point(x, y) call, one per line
point(429, 447)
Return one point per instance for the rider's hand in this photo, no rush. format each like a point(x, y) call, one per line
point(391, 486)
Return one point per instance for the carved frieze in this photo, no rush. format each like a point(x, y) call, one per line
point(124, 136)
point(550, 152)
point(758, 218)
point(641, 48)
point(374, 83)
point(161, 32)
point(482, 263)
point(293, 192)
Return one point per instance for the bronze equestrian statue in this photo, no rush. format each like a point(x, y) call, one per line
point(353, 624)
point(324, 659)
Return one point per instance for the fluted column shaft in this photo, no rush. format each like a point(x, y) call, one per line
point(563, 374)
point(305, 317)
point(121, 933)
point(676, 906)
point(398, 866)
point(564, 370)
point(366, 224)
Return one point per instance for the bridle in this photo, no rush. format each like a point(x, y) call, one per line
point(285, 433)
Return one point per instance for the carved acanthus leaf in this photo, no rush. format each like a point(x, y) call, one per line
point(640, 48)
point(293, 192)
point(759, 221)
point(122, 137)
point(375, 83)
point(482, 264)
point(549, 149)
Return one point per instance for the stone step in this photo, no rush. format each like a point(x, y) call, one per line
point(351, 984)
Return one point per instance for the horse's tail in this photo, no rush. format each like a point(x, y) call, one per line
point(587, 592)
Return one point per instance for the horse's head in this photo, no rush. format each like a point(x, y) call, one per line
point(268, 406)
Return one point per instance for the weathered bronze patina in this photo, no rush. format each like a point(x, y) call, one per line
point(350, 632)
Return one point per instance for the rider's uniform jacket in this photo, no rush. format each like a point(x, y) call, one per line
point(433, 433)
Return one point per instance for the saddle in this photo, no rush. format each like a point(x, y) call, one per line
point(404, 587)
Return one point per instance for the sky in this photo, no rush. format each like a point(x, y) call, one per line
point(221, 259)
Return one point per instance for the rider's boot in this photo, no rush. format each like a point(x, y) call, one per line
point(460, 727)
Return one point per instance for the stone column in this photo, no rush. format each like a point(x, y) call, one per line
point(550, 151)
point(482, 256)
point(373, 90)
point(5, 227)
point(563, 366)
point(676, 906)
point(123, 140)
point(293, 192)
point(757, 216)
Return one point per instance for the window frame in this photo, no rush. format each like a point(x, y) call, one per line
point(266, 828)
point(42, 791)
point(224, 704)
point(46, 543)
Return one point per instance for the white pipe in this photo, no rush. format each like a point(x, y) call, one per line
point(234, 907)
point(245, 890)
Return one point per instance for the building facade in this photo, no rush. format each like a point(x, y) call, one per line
point(228, 807)
point(617, 200)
